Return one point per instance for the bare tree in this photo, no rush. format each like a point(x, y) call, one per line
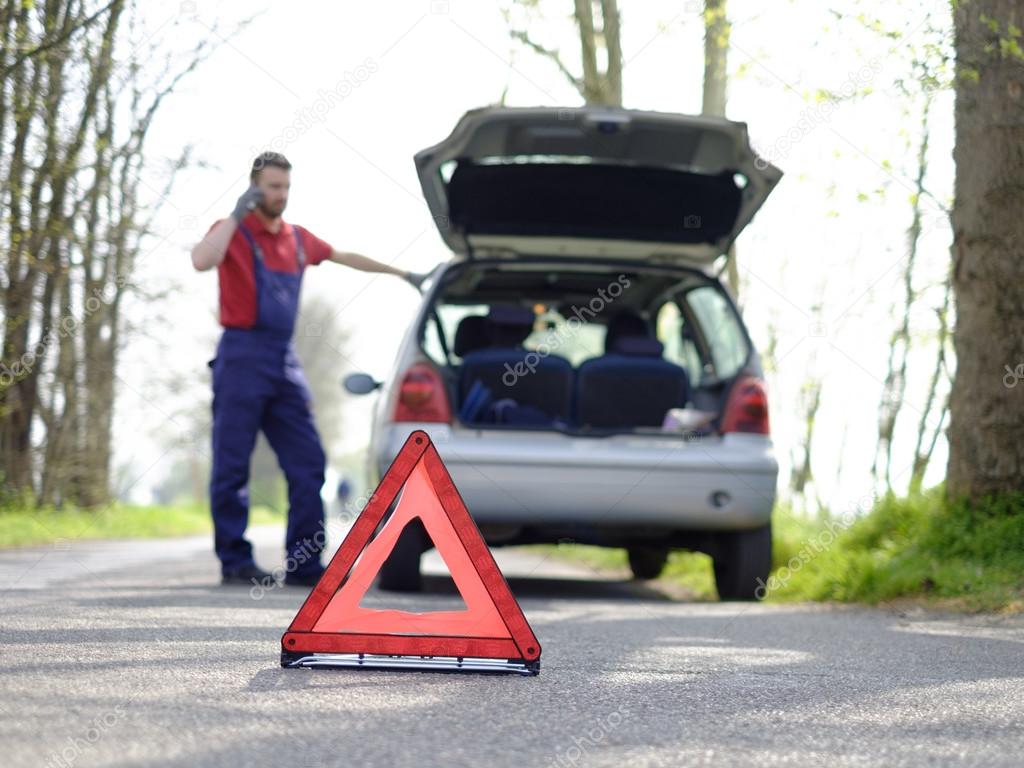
point(801, 453)
point(922, 64)
point(929, 430)
point(77, 99)
point(599, 27)
point(895, 385)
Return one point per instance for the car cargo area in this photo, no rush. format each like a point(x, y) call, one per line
point(585, 348)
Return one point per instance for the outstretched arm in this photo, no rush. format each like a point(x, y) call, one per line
point(364, 263)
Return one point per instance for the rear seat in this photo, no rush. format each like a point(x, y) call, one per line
point(630, 385)
point(501, 367)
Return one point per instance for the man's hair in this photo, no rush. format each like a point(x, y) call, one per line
point(264, 159)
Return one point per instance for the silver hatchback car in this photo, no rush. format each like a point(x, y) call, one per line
point(579, 366)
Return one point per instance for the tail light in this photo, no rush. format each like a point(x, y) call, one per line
point(747, 408)
point(422, 395)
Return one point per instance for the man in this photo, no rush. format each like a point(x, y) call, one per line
point(257, 380)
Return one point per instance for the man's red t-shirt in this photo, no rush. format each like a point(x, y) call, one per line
point(237, 276)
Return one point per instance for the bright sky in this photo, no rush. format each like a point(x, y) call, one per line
point(833, 235)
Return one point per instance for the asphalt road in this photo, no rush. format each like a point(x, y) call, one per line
point(119, 654)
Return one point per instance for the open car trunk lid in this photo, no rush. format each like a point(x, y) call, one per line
point(594, 181)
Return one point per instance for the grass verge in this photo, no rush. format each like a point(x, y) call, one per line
point(26, 526)
point(920, 548)
point(688, 573)
point(923, 547)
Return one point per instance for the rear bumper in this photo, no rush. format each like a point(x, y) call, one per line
point(548, 478)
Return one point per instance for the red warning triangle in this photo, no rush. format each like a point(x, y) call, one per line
point(332, 629)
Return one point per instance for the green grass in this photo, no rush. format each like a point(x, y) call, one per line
point(923, 547)
point(920, 548)
point(26, 526)
point(600, 559)
point(689, 571)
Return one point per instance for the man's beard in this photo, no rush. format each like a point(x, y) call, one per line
point(271, 213)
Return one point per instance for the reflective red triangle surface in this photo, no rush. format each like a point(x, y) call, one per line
point(492, 626)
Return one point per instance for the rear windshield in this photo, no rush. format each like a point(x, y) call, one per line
point(697, 325)
point(551, 331)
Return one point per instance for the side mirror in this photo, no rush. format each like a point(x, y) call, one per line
point(360, 383)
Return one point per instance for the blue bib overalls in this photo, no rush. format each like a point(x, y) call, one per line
point(258, 383)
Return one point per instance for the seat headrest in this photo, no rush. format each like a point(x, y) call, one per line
point(637, 346)
point(470, 334)
point(510, 314)
point(509, 325)
point(625, 323)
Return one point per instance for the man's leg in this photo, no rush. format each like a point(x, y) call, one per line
point(240, 393)
point(291, 432)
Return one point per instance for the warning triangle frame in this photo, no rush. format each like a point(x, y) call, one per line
point(519, 651)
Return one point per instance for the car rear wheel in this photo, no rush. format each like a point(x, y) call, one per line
point(401, 571)
point(742, 562)
point(647, 562)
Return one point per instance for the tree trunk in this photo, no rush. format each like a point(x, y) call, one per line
point(716, 58)
point(18, 364)
point(987, 401)
point(715, 95)
point(597, 85)
point(600, 86)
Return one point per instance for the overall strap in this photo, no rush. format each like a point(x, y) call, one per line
point(257, 252)
point(300, 253)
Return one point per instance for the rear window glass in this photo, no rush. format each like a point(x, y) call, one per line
point(720, 326)
point(574, 341)
point(450, 316)
point(698, 326)
point(673, 332)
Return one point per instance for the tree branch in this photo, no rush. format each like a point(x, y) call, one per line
point(63, 37)
point(549, 53)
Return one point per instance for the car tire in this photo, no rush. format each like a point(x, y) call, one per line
point(401, 571)
point(647, 562)
point(742, 562)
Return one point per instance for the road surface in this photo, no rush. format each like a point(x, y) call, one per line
point(123, 654)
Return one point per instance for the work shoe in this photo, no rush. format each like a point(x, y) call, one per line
point(307, 579)
point(250, 575)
